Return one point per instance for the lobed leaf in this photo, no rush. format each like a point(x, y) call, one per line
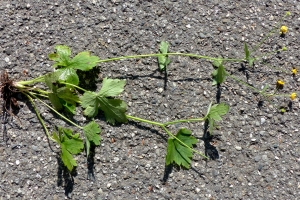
point(89, 101)
point(112, 87)
point(91, 132)
point(84, 61)
point(217, 111)
point(70, 144)
point(62, 56)
point(177, 153)
point(114, 109)
point(215, 114)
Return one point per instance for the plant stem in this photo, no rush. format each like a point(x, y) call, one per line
point(66, 119)
point(269, 34)
point(243, 83)
point(75, 86)
point(163, 126)
point(32, 81)
point(38, 115)
point(144, 120)
point(184, 121)
point(164, 54)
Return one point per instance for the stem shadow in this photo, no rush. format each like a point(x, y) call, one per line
point(144, 127)
point(210, 150)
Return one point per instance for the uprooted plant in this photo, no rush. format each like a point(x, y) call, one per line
point(65, 94)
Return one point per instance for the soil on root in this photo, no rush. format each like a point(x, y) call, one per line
point(8, 100)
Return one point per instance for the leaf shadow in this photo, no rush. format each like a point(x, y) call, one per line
point(219, 93)
point(64, 177)
point(91, 163)
point(210, 150)
point(168, 170)
point(88, 79)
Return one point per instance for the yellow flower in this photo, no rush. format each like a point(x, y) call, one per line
point(293, 96)
point(284, 48)
point(294, 71)
point(283, 30)
point(288, 13)
point(279, 84)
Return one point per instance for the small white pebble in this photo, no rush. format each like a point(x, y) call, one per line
point(6, 59)
point(17, 162)
point(160, 90)
point(238, 148)
point(108, 185)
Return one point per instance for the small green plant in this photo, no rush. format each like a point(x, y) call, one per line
point(65, 94)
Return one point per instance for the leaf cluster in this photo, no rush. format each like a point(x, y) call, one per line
point(64, 95)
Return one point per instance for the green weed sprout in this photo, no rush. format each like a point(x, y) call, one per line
point(65, 94)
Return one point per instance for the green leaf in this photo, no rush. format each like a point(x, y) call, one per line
point(219, 75)
point(251, 61)
point(55, 101)
point(215, 114)
point(62, 55)
point(56, 137)
point(68, 66)
point(112, 87)
point(217, 111)
point(163, 60)
point(61, 97)
point(177, 153)
point(91, 132)
point(67, 158)
point(84, 61)
point(89, 101)
point(247, 52)
point(247, 56)
point(68, 95)
point(70, 144)
point(62, 75)
point(71, 108)
point(114, 109)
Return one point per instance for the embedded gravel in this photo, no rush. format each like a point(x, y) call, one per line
point(256, 149)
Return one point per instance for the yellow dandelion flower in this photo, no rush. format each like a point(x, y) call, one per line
point(283, 30)
point(293, 96)
point(280, 84)
point(294, 71)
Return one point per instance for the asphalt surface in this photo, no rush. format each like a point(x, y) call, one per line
point(255, 150)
